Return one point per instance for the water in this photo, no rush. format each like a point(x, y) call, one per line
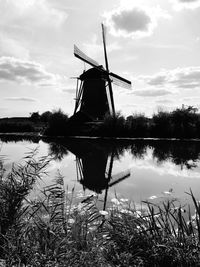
point(137, 170)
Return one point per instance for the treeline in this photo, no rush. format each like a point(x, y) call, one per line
point(182, 123)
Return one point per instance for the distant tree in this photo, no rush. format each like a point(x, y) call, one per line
point(35, 116)
point(185, 122)
point(57, 124)
point(45, 116)
point(161, 124)
point(137, 125)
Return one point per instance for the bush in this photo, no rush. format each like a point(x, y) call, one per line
point(57, 124)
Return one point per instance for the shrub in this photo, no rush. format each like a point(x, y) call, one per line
point(57, 124)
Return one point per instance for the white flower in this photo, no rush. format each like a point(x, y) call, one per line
point(103, 212)
point(167, 193)
point(125, 211)
point(71, 221)
point(152, 197)
point(115, 201)
point(124, 199)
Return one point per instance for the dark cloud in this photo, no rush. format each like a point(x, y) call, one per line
point(131, 20)
point(13, 69)
point(25, 99)
point(151, 93)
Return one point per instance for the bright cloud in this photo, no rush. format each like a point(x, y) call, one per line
point(12, 47)
point(133, 21)
point(35, 12)
point(185, 78)
point(181, 4)
point(12, 69)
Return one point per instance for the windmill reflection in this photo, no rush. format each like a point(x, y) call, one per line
point(94, 165)
point(97, 176)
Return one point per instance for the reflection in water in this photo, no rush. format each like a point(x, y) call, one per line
point(185, 154)
point(94, 164)
point(94, 159)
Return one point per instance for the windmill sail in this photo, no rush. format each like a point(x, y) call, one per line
point(79, 54)
point(120, 81)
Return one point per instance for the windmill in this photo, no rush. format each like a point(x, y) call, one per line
point(94, 93)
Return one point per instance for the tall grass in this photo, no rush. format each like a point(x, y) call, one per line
point(61, 229)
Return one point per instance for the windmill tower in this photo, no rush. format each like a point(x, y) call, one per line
point(94, 93)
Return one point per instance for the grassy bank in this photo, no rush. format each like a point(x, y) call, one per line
point(63, 229)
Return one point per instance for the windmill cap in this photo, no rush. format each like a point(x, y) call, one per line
point(93, 73)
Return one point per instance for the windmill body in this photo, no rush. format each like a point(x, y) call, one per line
point(94, 101)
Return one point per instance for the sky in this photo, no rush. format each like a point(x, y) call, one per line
point(153, 43)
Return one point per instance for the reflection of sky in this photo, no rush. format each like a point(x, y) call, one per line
point(147, 179)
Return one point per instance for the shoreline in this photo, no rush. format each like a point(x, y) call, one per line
point(106, 138)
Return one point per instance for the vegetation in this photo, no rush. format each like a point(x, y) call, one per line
point(182, 123)
point(57, 124)
point(63, 229)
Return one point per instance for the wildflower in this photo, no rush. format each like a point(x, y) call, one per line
point(138, 213)
point(115, 201)
point(124, 199)
point(103, 212)
point(167, 192)
point(125, 211)
point(71, 221)
point(152, 197)
point(79, 195)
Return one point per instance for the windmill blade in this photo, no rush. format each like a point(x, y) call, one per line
point(119, 177)
point(120, 81)
point(79, 54)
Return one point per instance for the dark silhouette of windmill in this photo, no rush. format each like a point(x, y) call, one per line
point(94, 94)
point(94, 165)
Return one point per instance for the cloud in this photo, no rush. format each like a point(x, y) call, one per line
point(25, 99)
point(133, 21)
point(164, 101)
point(151, 93)
point(185, 78)
point(185, 4)
point(11, 47)
point(69, 90)
point(36, 13)
point(94, 48)
point(12, 69)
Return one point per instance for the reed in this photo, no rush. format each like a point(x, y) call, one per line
point(60, 228)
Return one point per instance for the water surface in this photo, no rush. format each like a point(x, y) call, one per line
point(137, 170)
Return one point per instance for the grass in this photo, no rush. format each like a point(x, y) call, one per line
point(59, 230)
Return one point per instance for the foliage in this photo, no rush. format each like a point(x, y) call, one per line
point(181, 123)
point(113, 125)
point(57, 124)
